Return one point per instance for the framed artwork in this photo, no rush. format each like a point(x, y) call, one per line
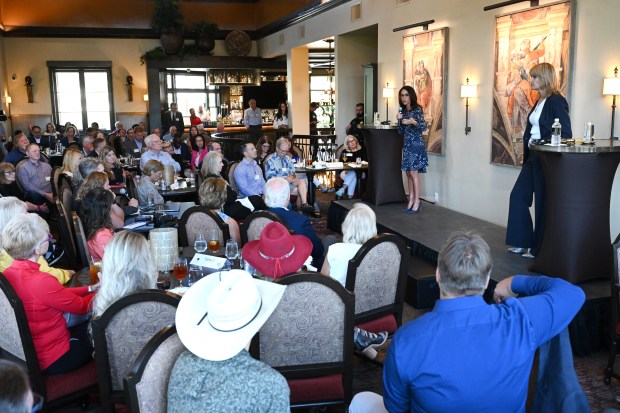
point(425, 68)
point(523, 40)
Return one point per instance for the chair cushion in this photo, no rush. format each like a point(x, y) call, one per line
point(385, 323)
point(316, 389)
point(60, 385)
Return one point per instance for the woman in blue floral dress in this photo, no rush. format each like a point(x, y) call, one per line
point(411, 125)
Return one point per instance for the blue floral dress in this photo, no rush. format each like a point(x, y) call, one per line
point(414, 151)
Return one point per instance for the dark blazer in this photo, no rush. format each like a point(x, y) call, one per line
point(301, 225)
point(186, 153)
point(118, 145)
point(167, 122)
point(45, 141)
point(131, 147)
point(556, 106)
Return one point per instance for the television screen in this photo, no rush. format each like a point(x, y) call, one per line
point(267, 95)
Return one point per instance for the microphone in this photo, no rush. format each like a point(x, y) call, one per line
point(124, 193)
point(400, 112)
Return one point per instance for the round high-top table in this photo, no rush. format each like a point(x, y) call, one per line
point(384, 146)
point(576, 245)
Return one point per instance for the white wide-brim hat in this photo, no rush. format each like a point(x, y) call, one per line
point(221, 313)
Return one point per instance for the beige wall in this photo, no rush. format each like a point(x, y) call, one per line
point(464, 178)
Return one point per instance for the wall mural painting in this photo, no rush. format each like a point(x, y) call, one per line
point(522, 40)
point(425, 65)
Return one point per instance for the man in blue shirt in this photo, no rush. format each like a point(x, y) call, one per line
point(35, 176)
point(248, 175)
point(153, 142)
point(467, 355)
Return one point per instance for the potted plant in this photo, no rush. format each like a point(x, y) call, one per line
point(205, 32)
point(168, 22)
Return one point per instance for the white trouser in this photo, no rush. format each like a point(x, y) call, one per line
point(367, 402)
point(350, 180)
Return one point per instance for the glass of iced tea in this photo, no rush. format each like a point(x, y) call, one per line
point(95, 267)
point(180, 269)
point(214, 241)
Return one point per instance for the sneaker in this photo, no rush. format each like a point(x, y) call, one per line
point(340, 193)
point(365, 341)
point(527, 254)
point(326, 190)
point(517, 250)
point(54, 254)
point(317, 208)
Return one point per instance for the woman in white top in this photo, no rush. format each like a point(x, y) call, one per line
point(280, 121)
point(358, 227)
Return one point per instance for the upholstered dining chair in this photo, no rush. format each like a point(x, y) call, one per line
point(231, 176)
point(54, 180)
point(309, 339)
point(200, 220)
point(65, 228)
point(377, 275)
point(121, 332)
point(16, 345)
point(65, 181)
point(615, 316)
point(147, 383)
point(254, 223)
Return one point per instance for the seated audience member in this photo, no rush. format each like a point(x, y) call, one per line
point(50, 131)
point(15, 393)
point(99, 143)
point(85, 168)
point(236, 208)
point(248, 175)
point(9, 208)
point(359, 226)
point(71, 137)
point(117, 141)
point(264, 147)
point(350, 153)
point(199, 151)
point(19, 149)
point(480, 355)
point(172, 131)
point(9, 187)
point(100, 180)
point(191, 138)
point(181, 148)
point(71, 164)
point(135, 145)
point(216, 147)
point(151, 174)
point(168, 147)
point(281, 165)
point(277, 198)
point(156, 131)
point(278, 253)
point(112, 166)
point(212, 194)
point(38, 138)
point(88, 146)
point(216, 320)
point(34, 176)
point(45, 300)
point(153, 143)
point(127, 267)
point(95, 213)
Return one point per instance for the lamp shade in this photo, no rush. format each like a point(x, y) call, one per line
point(469, 91)
point(8, 99)
point(611, 86)
point(388, 92)
point(164, 247)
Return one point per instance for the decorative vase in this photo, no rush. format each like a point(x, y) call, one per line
point(205, 44)
point(171, 41)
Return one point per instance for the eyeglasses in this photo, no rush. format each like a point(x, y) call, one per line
point(167, 146)
point(9, 172)
point(404, 94)
point(48, 239)
point(266, 146)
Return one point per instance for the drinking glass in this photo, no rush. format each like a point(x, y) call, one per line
point(232, 250)
point(214, 241)
point(180, 269)
point(195, 274)
point(200, 245)
point(95, 268)
point(163, 280)
point(358, 160)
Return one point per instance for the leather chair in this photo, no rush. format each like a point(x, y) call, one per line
point(146, 386)
point(615, 316)
point(254, 223)
point(309, 339)
point(121, 332)
point(377, 275)
point(200, 220)
point(16, 345)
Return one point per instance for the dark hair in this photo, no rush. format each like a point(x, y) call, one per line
point(244, 146)
point(98, 141)
point(89, 130)
point(314, 105)
point(94, 211)
point(360, 105)
point(412, 96)
point(265, 139)
point(15, 386)
point(279, 114)
point(37, 127)
point(210, 145)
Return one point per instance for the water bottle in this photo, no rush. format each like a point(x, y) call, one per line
point(556, 132)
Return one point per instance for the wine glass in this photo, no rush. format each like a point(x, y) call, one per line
point(200, 244)
point(232, 250)
point(180, 269)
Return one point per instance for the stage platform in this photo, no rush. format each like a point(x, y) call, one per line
point(426, 232)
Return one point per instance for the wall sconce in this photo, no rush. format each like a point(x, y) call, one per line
point(145, 97)
point(28, 81)
point(611, 86)
point(388, 92)
point(468, 91)
point(130, 88)
point(8, 100)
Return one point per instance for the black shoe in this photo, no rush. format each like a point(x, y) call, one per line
point(54, 254)
point(307, 208)
point(365, 341)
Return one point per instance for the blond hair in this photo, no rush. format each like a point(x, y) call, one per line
point(23, 234)
point(212, 193)
point(210, 164)
point(152, 166)
point(547, 75)
point(360, 224)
